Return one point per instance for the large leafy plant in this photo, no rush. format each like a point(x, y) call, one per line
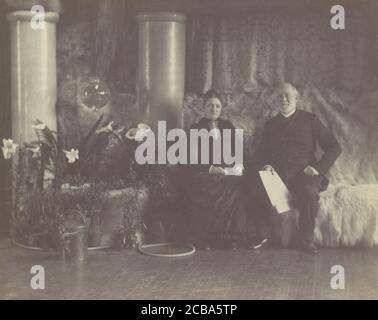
point(54, 180)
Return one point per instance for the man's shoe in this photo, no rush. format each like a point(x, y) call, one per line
point(309, 247)
point(257, 243)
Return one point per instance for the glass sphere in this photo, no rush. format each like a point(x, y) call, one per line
point(95, 94)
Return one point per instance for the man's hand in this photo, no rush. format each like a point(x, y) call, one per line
point(216, 170)
point(311, 171)
point(269, 168)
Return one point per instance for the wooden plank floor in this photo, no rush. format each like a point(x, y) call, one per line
point(243, 274)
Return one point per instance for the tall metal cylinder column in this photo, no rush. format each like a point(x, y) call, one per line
point(161, 67)
point(33, 72)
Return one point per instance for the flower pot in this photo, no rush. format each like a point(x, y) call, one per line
point(114, 210)
point(94, 238)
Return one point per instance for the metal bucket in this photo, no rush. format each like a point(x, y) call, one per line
point(74, 241)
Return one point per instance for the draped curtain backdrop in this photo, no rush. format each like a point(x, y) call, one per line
point(239, 52)
point(115, 42)
point(244, 56)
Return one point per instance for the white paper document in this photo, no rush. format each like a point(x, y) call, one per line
point(278, 194)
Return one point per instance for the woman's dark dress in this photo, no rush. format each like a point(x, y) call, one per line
point(215, 203)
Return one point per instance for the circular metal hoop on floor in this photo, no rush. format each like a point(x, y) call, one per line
point(163, 249)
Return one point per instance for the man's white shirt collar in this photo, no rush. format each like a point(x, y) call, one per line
point(288, 115)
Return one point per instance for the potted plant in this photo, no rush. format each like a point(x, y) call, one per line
point(51, 178)
point(87, 197)
point(131, 232)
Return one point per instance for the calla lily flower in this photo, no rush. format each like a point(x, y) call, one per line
point(38, 125)
point(108, 128)
point(138, 133)
point(72, 155)
point(9, 148)
point(130, 134)
point(36, 151)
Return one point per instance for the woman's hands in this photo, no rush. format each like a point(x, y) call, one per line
point(237, 170)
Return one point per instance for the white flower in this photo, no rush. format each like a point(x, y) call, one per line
point(38, 125)
point(72, 155)
point(35, 149)
point(65, 186)
point(130, 134)
point(143, 129)
point(138, 133)
point(7, 155)
point(9, 148)
point(106, 129)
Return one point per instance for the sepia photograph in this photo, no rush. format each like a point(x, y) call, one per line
point(188, 155)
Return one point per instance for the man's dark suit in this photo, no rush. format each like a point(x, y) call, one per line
point(289, 146)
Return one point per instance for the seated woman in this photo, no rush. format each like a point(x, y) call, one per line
point(215, 200)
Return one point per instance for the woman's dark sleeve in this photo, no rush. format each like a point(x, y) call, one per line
point(201, 168)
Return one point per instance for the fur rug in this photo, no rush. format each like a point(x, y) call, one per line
point(348, 216)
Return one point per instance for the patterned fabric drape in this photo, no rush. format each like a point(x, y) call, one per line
point(238, 52)
point(108, 26)
point(115, 41)
point(244, 56)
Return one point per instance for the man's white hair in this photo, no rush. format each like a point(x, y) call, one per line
point(288, 85)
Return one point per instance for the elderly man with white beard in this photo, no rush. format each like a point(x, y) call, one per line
point(288, 147)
